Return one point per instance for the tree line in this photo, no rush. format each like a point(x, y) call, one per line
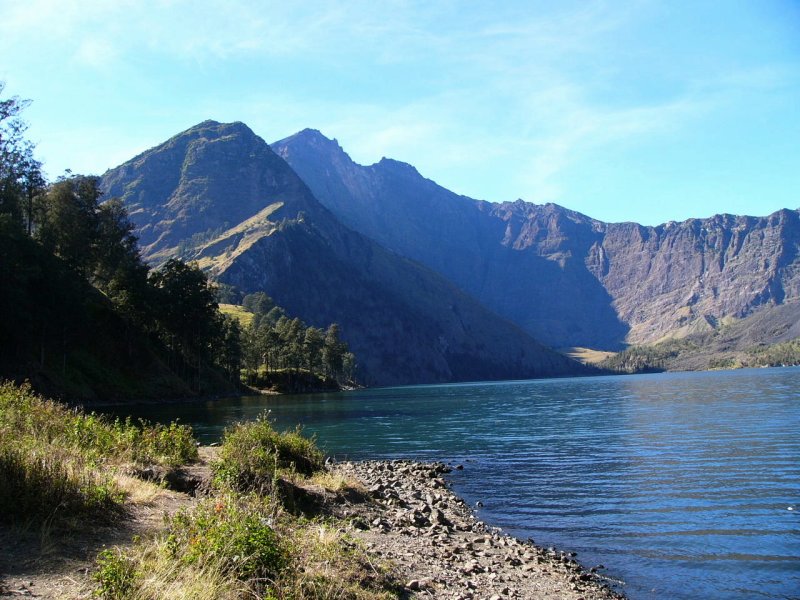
point(274, 342)
point(50, 229)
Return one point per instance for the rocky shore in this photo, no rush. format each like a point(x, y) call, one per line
point(441, 550)
point(403, 513)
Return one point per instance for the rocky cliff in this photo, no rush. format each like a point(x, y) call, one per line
point(566, 278)
point(692, 275)
point(219, 195)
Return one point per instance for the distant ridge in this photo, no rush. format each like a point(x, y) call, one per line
point(566, 278)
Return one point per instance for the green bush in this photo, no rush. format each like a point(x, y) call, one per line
point(99, 439)
point(253, 453)
point(54, 461)
point(115, 576)
point(232, 533)
point(781, 354)
point(170, 445)
point(41, 483)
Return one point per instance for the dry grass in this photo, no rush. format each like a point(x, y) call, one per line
point(329, 565)
point(240, 313)
point(587, 356)
point(139, 492)
point(336, 482)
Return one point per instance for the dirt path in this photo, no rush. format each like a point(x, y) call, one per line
point(57, 563)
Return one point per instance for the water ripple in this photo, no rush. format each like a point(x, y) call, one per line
point(679, 483)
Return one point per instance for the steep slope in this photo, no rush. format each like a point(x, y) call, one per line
point(566, 278)
point(770, 336)
point(71, 342)
point(199, 183)
point(526, 265)
point(698, 272)
point(217, 194)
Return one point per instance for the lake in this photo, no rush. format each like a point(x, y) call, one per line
point(683, 485)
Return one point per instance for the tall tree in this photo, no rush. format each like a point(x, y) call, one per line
point(312, 345)
point(68, 222)
point(186, 310)
point(21, 177)
point(229, 352)
point(333, 351)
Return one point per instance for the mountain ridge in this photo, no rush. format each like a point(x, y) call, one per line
point(218, 194)
point(566, 278)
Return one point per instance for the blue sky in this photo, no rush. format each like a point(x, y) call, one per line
point(642, 111)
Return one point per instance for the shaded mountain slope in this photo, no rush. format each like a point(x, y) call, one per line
point(216, 193)
point(566, 278)
point(484, 248)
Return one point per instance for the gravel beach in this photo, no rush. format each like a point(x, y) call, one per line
point(441, 550)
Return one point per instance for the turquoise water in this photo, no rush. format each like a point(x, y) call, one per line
point(678, 483)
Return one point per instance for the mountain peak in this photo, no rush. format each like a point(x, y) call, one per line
point(312, 143)
point(397, 166)
point(313, 138)
point(201, 181)
point(220, 129)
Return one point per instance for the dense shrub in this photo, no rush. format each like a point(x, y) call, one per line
point(39, 483)
point(27, 415)
point(233, 532)
point(58, 462)
point(116, 575)
point(253, 453)
point(244, 546)
point(219, 542)
point(782, 354)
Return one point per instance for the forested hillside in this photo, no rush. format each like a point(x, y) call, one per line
point(83, 317)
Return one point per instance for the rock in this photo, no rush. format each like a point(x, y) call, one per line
point(414, 585)
point(482, 561)
point(438, 517)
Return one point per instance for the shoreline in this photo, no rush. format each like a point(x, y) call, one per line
point(401, 513)
point(441, 549)
point(249, 391)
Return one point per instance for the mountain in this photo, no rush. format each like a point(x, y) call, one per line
point(566, 278)
point(768, 337)
point(216, 193)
